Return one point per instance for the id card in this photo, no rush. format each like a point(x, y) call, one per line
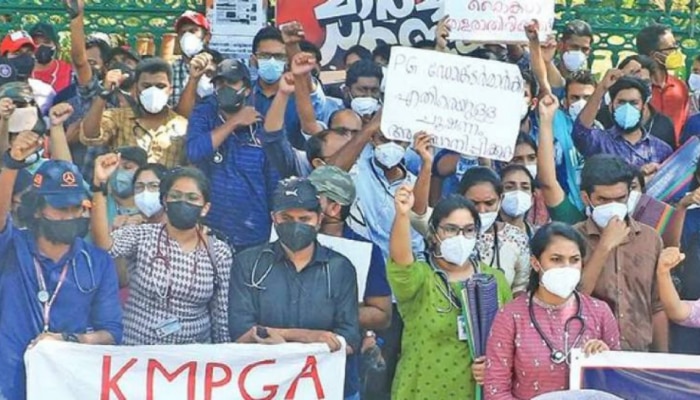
point(462, 328)
point(168, 327)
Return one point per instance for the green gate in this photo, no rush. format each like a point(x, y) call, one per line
point(616, 23)
point(123, 18)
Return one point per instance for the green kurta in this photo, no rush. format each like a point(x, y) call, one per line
point(434, 364)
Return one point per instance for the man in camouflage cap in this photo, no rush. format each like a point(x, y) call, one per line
point(337, 192)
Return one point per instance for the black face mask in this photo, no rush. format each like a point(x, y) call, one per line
point(230, 100)
point(24, 65)
point(183, 215)
point(44, 54)
point(296, 235)
point(63, 231)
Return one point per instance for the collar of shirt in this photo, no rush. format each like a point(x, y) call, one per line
point(46, 262)
point(381, 176)
point(618, 134)
point(321, 254)
point(591, 229)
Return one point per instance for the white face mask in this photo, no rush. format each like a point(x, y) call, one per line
point(561, 281)
point(574, 61)
point(457, 250)
point(633, 200)
point(576, 108)
point(389, 154)
point(694, 82)
point(364, 105)
point(516, 203)
point(148, 203)
point(532, 168)
point(603, 214)
point(524, 110)
point(607, 99)
point(153, 100)
point(487, 220)
point(205, 87)
point(191, 45)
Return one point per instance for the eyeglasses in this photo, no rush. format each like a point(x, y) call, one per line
point(267, 56)
point(151, 186)
point(672, 48)
point(450, 230)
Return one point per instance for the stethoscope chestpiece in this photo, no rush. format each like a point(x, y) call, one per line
point(558, 357)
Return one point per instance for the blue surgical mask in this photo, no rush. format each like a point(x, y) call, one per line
point(270, 71)
point(122, 184)
point(627, 117)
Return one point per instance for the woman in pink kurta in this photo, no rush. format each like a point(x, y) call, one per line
point(526, 353)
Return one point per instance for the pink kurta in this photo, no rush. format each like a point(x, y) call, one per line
point(518, 364)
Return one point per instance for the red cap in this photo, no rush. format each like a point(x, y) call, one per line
point(193, 17)
point(14, 41)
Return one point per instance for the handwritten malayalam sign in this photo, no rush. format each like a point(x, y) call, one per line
point(469, 105)
point(358, 253)
point(497, 21)
point(58, 370)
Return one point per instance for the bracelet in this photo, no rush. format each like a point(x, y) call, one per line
point(101, 188)
point(70, 337)
point(10, 163)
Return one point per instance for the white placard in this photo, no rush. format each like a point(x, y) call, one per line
point(469, 105)
point(359, 254)
point(60, 370)
point(497, 21)
point(238, 17)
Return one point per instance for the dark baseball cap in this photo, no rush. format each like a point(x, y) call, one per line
point(125, 51)
point(60, 183)
point(232, 71)
point(295, 193)
point(46, 30)
point(134, 154)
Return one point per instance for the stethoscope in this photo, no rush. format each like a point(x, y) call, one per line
point(43, 296)
point(93, 282)
point(560, 356)
point(257, 284)
point(166, 263)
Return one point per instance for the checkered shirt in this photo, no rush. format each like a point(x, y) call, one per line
point(198, 299)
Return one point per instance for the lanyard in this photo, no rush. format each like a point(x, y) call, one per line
point(43, 294)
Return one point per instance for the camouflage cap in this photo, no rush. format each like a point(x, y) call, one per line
point(334, 183)
point(18, 92)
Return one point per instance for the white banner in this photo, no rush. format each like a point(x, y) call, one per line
point(358, 253)
point(497, 21)
point(59, 370)
point(469, 105)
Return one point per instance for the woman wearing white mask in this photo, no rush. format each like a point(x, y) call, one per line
point(435, 363)
point(526, 155)
point(528, 352)
point(518, 197)
point(500, 245)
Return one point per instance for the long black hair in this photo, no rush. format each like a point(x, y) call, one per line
point(543, 238)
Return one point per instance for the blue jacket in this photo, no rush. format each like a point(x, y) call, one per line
point(88, 300)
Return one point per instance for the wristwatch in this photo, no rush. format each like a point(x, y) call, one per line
point(70, 337)
point(101, 188)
